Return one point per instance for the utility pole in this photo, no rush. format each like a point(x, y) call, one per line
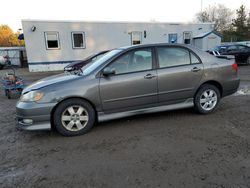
point(201, 5)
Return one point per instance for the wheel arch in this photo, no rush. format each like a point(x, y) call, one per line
point(65, 99)
point(214, 83)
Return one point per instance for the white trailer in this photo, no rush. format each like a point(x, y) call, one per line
point(51, 45)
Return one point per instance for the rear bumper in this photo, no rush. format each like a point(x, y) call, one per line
point(33, 116)
point(231, 87)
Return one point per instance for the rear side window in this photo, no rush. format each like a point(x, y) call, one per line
point(172, 56)
point(242, 47)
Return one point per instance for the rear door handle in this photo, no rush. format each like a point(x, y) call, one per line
point(195, 69)
point(149, 76)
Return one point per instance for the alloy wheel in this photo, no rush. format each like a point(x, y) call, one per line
point(208, 99)
point(74, 118)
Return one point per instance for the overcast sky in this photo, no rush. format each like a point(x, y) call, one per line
point(12, 11)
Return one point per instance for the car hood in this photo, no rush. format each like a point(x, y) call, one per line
point(49, 81)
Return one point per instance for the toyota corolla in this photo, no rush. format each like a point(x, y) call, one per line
point(127, 81)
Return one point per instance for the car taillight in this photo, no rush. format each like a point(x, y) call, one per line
point(235, 67)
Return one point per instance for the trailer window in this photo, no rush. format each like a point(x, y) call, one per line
point(187, 37)
point(52, 40)
point(136, 37)
point(78, 40)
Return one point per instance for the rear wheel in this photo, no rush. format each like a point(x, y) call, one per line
point(207, 99)
point(74, 117)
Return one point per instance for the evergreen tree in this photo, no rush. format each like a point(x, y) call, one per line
point(240, 24)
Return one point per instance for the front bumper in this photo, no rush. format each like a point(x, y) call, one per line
point(33, 116)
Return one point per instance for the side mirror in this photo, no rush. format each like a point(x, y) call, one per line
point(108, 71)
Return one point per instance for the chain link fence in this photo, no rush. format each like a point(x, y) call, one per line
point(17, 55)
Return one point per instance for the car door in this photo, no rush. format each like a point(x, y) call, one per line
point(134, 83)
point(244, 52)
point(179, 74)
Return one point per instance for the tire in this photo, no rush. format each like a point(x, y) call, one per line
point(207, 99)
point(1, 67)
point(74, 117)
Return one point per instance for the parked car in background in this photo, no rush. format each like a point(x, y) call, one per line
point(241, 52)
point(128, 81)
point(75, 66)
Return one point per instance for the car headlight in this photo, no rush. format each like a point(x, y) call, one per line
point(32, 96)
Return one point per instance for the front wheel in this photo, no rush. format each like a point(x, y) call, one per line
point(74, 117)
point(206, 99)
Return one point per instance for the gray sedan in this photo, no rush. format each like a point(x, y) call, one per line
point(127, 81)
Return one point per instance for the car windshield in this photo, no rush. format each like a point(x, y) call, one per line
point(221, 49)
point(217, 48)
point(94, 64)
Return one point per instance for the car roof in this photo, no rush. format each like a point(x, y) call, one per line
point(154, 45)
point(204, 56)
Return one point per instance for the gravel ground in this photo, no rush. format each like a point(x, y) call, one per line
point(169, 149)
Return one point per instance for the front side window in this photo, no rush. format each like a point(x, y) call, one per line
point(92, 66)
point(172, 56)
point(52, 40)
point(78, 39)
point(232, 48)
point(139, 60)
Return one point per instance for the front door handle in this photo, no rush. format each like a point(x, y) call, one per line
point(149, 76)
point(195, 69)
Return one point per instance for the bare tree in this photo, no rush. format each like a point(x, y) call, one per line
point(218, 14)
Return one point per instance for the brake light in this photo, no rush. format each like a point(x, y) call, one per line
point(235, 67)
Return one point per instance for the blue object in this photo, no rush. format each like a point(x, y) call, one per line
point(21, 37)
point(172, 38)
point(10, 86)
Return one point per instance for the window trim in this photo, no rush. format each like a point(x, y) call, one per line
point(73, 42)
point(131, 51)
point(46, 40)
point(189, 52)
